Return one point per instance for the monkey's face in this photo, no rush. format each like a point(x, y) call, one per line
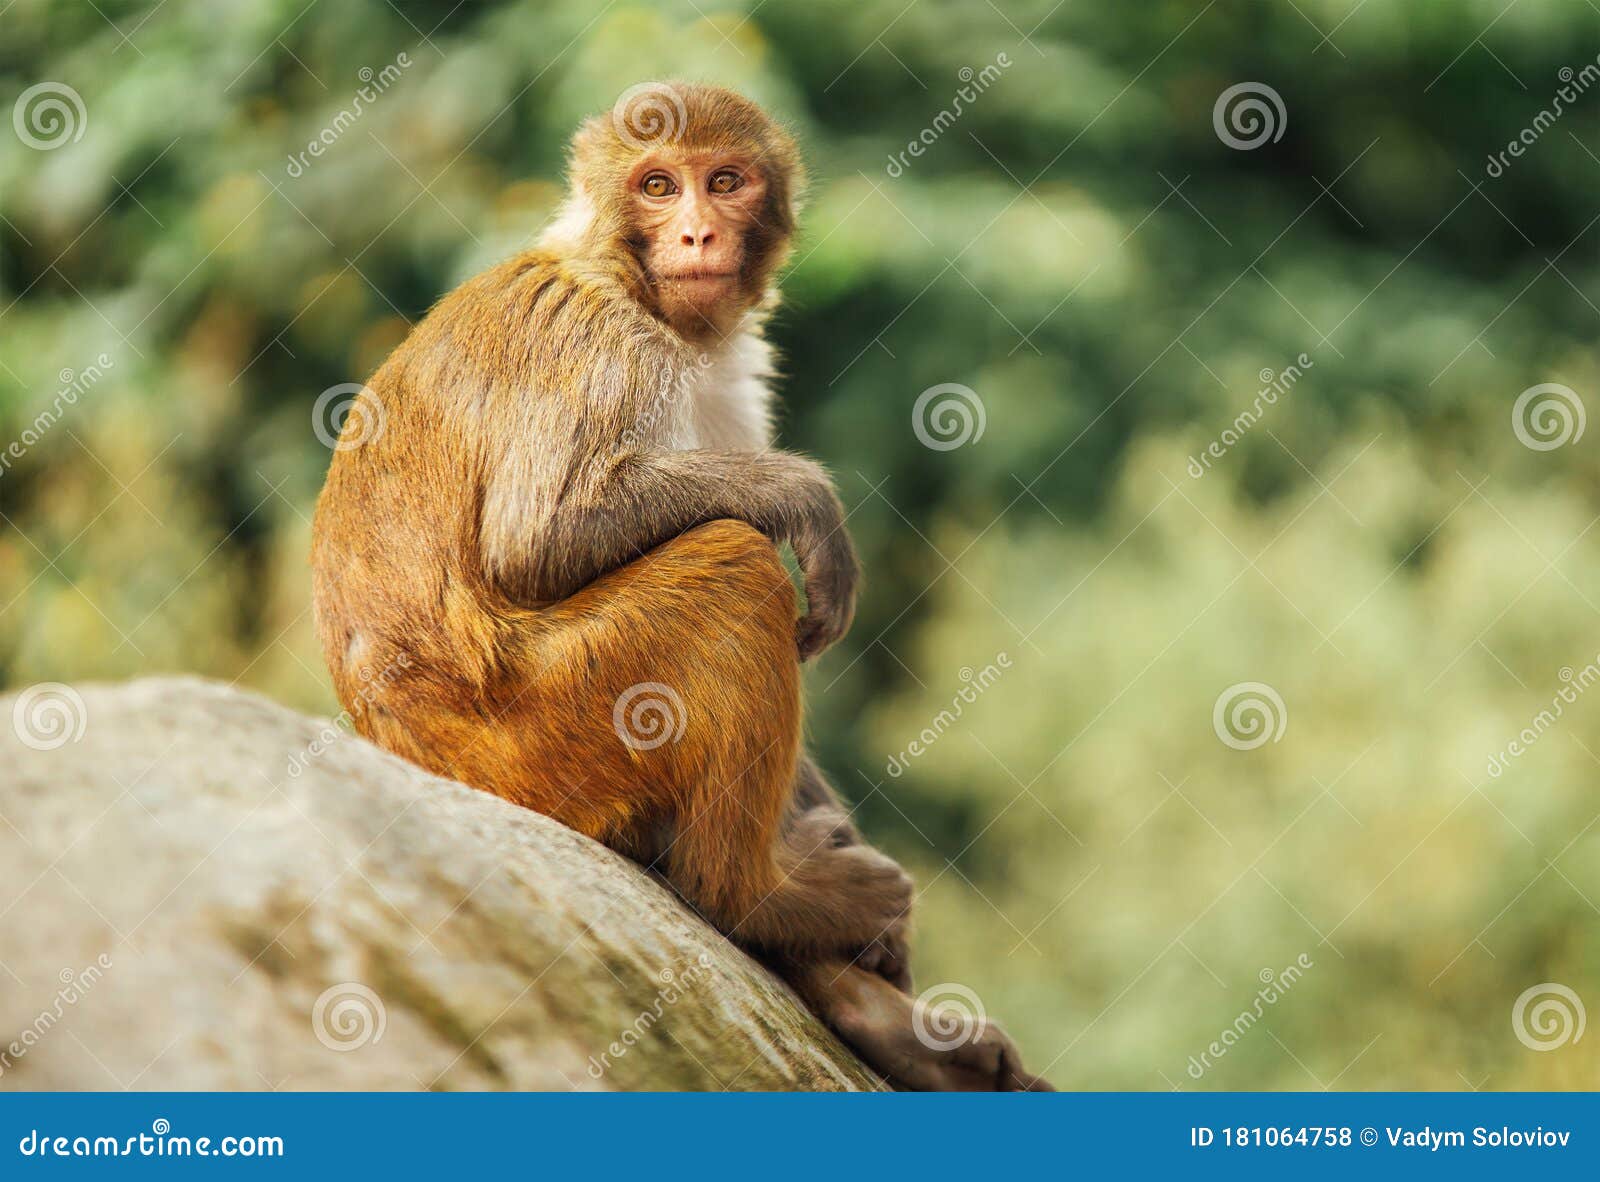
point(690, 191)
point(700, 226)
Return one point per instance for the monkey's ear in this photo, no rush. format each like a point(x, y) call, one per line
point(587, 150)
point(782, 157)
point(798, 189)
point(573, 219)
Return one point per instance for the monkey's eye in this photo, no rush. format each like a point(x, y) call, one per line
point(657, 184)
point(726, 181)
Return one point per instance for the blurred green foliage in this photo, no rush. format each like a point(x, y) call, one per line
point(1083, 251)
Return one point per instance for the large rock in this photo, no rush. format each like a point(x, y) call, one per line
point(202, 889)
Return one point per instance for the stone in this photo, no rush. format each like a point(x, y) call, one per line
point(205, 890)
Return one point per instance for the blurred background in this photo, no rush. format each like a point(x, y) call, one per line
point(1228, 431)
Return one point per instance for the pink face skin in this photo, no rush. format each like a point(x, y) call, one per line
point(695, 213)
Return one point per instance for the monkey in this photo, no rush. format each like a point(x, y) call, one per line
point(557, 504)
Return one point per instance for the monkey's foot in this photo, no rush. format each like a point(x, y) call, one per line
point(907, 1045)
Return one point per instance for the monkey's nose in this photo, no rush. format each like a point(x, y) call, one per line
point(699, 237)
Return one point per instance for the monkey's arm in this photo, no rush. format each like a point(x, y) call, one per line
point(644, 498)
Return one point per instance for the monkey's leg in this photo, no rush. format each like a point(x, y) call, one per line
point(665, 698)
point(815, 892)
point(770, 874)
point(919, 1051)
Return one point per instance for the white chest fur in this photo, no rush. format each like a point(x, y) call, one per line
point(722, 402)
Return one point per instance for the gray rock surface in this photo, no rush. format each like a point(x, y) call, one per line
point(202, 889)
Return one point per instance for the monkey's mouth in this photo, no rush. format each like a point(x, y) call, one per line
point(699, 276)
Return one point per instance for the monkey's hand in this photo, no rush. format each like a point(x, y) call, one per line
point(889, 957)
point(828, 561)
point(660, 494)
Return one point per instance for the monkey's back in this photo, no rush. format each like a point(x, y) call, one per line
point(397, 549)
point(429, 640)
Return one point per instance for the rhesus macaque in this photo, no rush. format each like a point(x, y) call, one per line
point(558, 502)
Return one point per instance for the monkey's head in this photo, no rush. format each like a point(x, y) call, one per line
point(695, 187)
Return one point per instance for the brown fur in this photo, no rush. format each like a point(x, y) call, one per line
point(496, 536)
